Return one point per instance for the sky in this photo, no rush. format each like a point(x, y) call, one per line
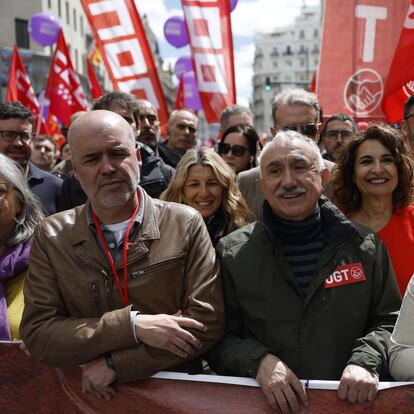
point(248, 18)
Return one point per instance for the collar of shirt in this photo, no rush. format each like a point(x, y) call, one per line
point(115, 248)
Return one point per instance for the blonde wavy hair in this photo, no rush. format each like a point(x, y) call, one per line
point(233, 202)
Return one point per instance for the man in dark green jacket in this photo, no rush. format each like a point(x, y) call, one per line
point(308, 293)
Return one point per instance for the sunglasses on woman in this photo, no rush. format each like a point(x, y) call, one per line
point(237, 150)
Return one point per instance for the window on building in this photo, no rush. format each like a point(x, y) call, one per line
point(22, 33)
point(275, 65)
point(81, 25)
point(67, 13)
point(288, 62)
point(49, 4)
point(59, 8)
point(76, 60)
point(75, 22)
point(302, 62)
point(316, 33)
point(288, 51)
point(302, 34)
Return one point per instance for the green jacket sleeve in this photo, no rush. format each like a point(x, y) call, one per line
point(371, 351)
point(236, 354)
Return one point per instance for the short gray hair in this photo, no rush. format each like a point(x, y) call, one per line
point(31, 213)
point(295, 96)
point(232, 110)
point(292, 135)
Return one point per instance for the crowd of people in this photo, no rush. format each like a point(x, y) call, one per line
point(128, 253)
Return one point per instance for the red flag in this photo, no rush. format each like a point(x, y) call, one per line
point(64, 89)
point(353, 70)
point(209, 29)
point(20, 89)
point(53, 126)
point(312, 87)
point(96, 90)
point(120, 37)
point(179, 100)
point(400, 81)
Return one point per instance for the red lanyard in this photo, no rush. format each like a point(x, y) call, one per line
point(122, 291)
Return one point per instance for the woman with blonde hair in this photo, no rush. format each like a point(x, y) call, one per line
point(205, 182)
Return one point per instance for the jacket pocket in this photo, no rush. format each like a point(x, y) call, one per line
point(156, 267)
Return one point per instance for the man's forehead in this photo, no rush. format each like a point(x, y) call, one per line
point(338, 124)
point(295, 114)
point(16, 122)
point(282, 149)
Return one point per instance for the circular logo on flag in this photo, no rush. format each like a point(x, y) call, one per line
point(363, 91)
point(356, 272)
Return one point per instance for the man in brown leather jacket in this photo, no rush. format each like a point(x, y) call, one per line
point(124, 285)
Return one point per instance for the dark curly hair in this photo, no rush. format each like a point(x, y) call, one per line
point(12, 110)
point(346, 193)
point(251, 137)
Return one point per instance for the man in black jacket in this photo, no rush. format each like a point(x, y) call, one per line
point(16, 135)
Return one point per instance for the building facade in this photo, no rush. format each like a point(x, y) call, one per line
point(14, 18)
point(285, 58)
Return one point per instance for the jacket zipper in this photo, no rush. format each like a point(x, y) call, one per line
point(158, 266)
point(95, 296)
point(108, 288)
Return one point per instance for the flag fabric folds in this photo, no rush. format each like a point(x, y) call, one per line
point(209, 29)
point(64, 89)
point(20, 89)
point(400, 82)
point(95, 88)
point(120, 37)
point(179, 100)
point(354, 67)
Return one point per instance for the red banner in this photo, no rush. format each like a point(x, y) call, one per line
point(64, 89)
point(355, 64)
point(121, 39)
point(209, 29)
point(96, 91)
point(400, 81)
point(29, 387)
point(20, 89)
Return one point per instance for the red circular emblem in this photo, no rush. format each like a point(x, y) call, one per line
point(356, 272)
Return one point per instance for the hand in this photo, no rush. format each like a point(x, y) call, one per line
point(169, 332)
point(96, 377)
point(280, 385)
point(357, 384)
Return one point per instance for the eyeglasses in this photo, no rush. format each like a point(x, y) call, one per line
point(310, 130)
point(333, 134)
point(237, 150)
point(10, 136)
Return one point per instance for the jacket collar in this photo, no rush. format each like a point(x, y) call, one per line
point(86, 246)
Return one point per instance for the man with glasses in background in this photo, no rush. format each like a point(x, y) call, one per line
point(292, 109)
point(407, 124)
point(337, 131)
point(16, 136)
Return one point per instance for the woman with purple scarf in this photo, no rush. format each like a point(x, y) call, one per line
point(20, 212)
